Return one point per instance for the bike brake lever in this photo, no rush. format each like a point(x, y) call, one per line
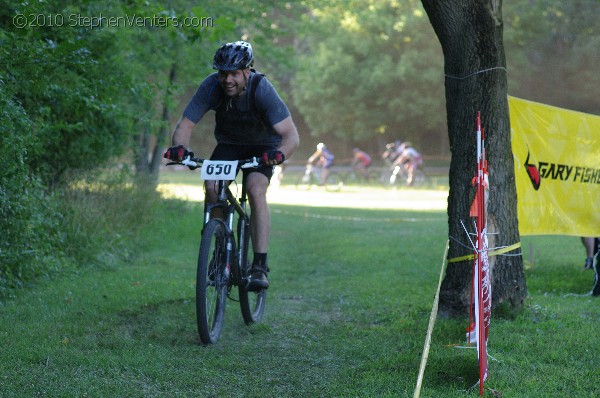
point(249, 165)
point(190, 163)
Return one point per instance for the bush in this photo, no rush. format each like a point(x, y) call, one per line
point(93, 220)
point(28, 216)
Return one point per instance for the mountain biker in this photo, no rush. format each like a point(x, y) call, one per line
point(361, 162)
point(322, 158)
point(251, 120)
point(409, 159)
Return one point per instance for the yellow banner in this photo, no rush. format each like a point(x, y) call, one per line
point(557, 169)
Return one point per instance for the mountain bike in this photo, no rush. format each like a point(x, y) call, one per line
point(223, 255)
point(312, 177)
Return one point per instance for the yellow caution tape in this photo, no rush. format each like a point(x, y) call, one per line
point(490, 253)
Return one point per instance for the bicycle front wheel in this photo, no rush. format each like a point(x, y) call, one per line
point(252, 304)
point(212, 279)
point(334, 182)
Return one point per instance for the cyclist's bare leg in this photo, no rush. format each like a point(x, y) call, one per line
point(324, 175)
point(260, 218)
point(410, 167)
point(588, 243)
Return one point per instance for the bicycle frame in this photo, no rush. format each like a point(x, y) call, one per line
point(230, 205)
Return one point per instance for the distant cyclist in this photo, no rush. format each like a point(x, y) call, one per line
point(322, 158)
point(410, 159)
point(361, 162)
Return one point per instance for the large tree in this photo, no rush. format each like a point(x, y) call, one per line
point(471, 35)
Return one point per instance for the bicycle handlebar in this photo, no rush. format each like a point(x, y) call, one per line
point(194, 163)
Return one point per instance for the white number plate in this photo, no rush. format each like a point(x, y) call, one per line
point(219, 169)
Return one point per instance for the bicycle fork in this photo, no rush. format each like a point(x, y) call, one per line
point(222, 277)
point(230, 254)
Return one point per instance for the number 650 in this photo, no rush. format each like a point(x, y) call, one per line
point(218, 169)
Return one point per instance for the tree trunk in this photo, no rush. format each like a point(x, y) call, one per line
point(147, 168)
point(470, 33)
point(165, 131)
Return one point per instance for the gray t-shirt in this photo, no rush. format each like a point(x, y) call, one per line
point(268, 106)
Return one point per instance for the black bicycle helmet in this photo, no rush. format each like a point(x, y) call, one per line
point(233, 56)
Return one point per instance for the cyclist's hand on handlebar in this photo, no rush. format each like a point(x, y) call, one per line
point(177, 153)
point(273, 157)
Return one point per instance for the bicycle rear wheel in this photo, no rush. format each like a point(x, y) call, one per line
point(252, 304)
point(212, 278)
point(418, 177)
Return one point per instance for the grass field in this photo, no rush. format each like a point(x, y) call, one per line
point(347, 314)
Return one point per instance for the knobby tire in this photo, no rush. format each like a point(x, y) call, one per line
point(212, 281)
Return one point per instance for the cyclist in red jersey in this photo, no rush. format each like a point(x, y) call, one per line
point(361, 162)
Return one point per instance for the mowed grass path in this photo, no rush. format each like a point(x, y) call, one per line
point(346, 316)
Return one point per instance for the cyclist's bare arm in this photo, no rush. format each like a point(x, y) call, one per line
point(315, 157)
point(289, 136)
point(182, 132)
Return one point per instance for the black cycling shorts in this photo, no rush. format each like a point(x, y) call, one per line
point(240, 152)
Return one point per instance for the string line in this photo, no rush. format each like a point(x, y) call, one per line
point(476, 73)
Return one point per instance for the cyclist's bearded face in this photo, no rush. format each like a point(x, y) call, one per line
point(233, 81)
